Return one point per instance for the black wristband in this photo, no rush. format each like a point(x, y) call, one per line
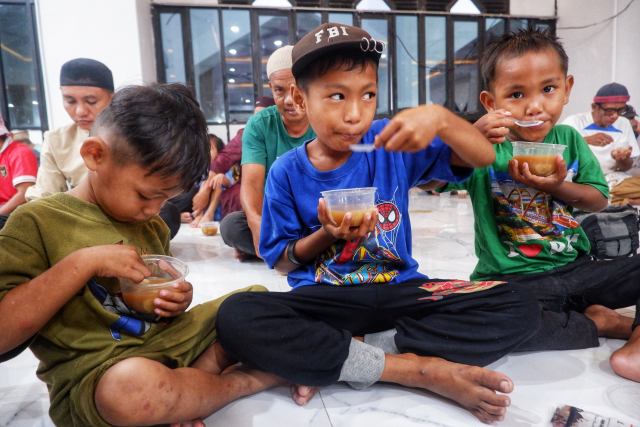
point(290, 254)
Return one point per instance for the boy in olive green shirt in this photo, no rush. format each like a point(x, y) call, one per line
point(60, 257)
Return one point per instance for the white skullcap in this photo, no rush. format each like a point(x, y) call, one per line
point(279, 60)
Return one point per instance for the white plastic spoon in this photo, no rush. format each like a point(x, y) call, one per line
point(362, 148)
point(528, 123)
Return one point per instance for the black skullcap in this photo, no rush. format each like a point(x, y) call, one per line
point(86, 72)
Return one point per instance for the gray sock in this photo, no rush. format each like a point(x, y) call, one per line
point(384, 340)
point(364, 365)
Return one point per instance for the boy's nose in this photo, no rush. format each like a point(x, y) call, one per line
point(353, 112)
point(534, 108)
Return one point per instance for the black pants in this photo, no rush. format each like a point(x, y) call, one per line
point(236, 233)
point(3, 220)
point(304, 335)
point(565, 292)
point(184, 201)
point(170, 214)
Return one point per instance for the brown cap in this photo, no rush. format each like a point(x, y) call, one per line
point(330, 37)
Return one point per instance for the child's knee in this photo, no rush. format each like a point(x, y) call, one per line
point(130, 392)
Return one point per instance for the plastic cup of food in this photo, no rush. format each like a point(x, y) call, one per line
point(540, 157)
point(165, 271)
point(210, 228)
point(358, 201)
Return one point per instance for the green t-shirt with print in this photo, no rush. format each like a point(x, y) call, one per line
point(265, 138)
point(521, 230)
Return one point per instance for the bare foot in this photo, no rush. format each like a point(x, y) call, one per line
point(301, 394)
point(472, 387)
point(243, 256)
point(609, 323)
point(197, 219)
point(186, 217)
point(626, 361)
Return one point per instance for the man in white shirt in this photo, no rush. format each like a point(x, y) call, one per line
point(608, 133)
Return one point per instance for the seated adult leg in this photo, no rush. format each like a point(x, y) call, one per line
point(236, 233)
point(171, 216)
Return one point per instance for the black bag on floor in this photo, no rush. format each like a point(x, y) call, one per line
point(613, 232)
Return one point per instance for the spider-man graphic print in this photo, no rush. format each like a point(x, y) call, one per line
point(377, 252)
point(290, 211)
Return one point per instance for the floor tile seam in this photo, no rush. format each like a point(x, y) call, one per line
point(326, 411)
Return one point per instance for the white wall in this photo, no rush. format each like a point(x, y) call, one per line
point(119, 33)
point(599, 54)
point(115, 32)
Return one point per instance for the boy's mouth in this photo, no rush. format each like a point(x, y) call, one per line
point(350, 136)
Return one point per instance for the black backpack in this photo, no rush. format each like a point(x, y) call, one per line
point(613, 232)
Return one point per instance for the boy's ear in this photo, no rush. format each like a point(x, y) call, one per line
point(94, 152)
point(567, 92)
point(486, 98)
point(298, 99)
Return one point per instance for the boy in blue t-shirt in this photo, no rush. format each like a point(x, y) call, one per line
point(525, 231)
point(359, 311)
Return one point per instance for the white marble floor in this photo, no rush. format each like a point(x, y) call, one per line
point(443, 244)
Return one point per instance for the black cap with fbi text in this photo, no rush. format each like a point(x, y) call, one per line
point(330, 37)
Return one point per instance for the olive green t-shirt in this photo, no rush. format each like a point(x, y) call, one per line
point(521, 230)
point(88, 330)
point(265, 138)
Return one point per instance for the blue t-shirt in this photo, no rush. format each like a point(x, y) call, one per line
point(290, 211)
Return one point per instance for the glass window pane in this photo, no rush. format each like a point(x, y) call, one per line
point(236, 30)
point(377, 28)
point(307, 22)
point(173, 48)
point(19, 67)
point(207, 68)
point(435, 46)
point(495, 28)
point(542, 25)
point(465, 56)
point(518, 24)
point(407, 60)
point(274, 33)
point(341, 18)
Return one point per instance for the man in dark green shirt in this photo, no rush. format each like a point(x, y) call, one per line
point(269, 134)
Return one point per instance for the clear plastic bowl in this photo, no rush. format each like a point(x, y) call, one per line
point(540, 157)
point(358, 201)
point(210, 228)
point(165, 271)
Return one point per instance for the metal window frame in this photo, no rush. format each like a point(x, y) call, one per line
point(37, 63)
point(358, 15)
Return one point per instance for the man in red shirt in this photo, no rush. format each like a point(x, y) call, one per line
point(18, 170)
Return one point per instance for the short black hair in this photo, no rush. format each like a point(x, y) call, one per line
point(218, 141)
point(516, 44)
point(345, 59)
point(160, 127)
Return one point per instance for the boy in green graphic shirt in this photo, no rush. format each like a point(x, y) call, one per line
point(525, 231)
